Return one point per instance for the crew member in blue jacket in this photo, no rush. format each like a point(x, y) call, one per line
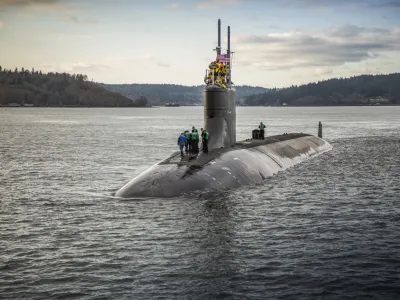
point(181, 142)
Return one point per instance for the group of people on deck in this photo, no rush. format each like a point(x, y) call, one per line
point(190, 141)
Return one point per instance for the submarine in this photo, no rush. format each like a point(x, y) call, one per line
point(228, 164)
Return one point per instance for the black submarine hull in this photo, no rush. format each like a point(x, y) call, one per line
point(247, 162)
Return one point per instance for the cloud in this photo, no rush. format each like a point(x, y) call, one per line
point(105, 64)
point(337, 3)
point(150, 60)
point(145, 60)
point(370, 70)
point(7, 3)
point(347, 31)
point(39, 5)
point(322, 71)
point(74, 36)
point(325, 3)
point(160, 64)
point(389, 4)
point(89, 67)
point(297, 49)
point(78, 67)
point(321, 3)
point(75, 19)
point(56, 36)
point(173, 5)
point(215, 4)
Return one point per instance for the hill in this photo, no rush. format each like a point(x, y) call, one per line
point(357, 90)
point(160, 94)
point(34, 88)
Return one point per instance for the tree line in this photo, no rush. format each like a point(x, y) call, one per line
point(160, 94)
point(36, 88)
point(357, 90)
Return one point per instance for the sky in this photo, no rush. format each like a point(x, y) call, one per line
point(276, 43)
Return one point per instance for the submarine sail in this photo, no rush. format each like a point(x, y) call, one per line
point(219, 99)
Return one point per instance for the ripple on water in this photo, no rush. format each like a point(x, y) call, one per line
point(324, 229)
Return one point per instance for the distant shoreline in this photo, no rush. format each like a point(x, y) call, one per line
point(275, 106)
point(75, 106)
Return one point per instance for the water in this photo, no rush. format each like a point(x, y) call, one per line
point(326, 229)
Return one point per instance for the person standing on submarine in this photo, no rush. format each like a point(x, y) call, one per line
point(261, 127)
point(188, 146)
point(204, 137)
point(202, 133)
point(195, 141)
point(181, 142)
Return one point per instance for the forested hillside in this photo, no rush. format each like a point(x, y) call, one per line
point(34, 88)
point(159, 94)
point(358, 90)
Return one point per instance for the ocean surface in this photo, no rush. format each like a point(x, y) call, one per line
point(328, 228)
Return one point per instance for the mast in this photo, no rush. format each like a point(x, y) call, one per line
point(219, 38)
point(228, 55)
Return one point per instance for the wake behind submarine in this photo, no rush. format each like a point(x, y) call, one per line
point(228, 164)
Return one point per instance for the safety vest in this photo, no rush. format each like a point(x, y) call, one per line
point(219, 67)
point(262, 126)
point(205, 136)
point(195, 135)
point(223, 69)
point(188, 135)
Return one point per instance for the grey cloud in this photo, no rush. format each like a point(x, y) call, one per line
point(389, 4)
point(160, 64)
point(322, 3)
point(320, 72)
point(331, 3)
point(83, 67)
point(75, 19)
point(50, 6)
point(347, 31)
point(7, 3)
point(303, 50)
point(79, 67)
point(214, 4)
point(149, 60)
point(73, 36)
point(302, 39)
point(274, 26)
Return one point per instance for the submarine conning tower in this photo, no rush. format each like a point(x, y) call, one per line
point(219, 99)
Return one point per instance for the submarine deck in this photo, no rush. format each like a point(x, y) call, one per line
point(203, 158)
